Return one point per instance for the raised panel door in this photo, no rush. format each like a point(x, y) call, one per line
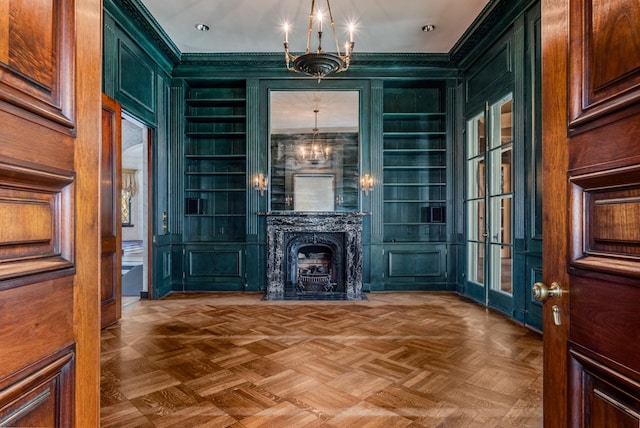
point(49, 273)
point(110, 213)
point(591, 162)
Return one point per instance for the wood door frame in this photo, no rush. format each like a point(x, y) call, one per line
point(148, 196)
point(87, 149)
point(555, 229)
point(111, 244)
point(149, 216)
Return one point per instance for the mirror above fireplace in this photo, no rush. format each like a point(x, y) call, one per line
point(314, 150)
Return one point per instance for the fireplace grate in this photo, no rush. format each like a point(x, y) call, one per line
point(314, 282)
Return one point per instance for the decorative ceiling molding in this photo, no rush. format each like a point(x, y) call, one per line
point(146, 23)
point(491, 18)
point(494, 17)
point(275, 59)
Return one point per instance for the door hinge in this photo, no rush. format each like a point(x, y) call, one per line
point(184, 274)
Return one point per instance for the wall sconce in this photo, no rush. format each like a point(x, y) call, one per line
point(260, 183)
point(366, 183)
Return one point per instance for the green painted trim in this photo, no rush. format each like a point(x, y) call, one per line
point(137, 21)
point(376, 163)
point(271, 66)
point(494, 20)
point(275, 59)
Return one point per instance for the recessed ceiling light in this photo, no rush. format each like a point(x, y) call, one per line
point(202, 27)
point(428, 28)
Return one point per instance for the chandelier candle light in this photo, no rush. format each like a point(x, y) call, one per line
point(319, 63)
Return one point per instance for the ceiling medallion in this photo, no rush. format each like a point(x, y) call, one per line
point(319, 63)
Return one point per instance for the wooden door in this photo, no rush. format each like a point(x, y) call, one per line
point(110, 214)
point(591, 158)
point(50, 62)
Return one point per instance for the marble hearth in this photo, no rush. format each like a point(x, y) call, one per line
point(314, 255)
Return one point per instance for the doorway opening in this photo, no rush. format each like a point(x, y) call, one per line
point(135, 210)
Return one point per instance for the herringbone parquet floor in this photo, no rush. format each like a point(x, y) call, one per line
point(397, 360)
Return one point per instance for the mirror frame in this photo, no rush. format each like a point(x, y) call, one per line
point(363, 87)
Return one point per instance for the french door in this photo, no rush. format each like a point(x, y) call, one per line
point(489, 205)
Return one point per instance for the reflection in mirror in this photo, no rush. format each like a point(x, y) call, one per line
point(314, 140)
point(314, 192)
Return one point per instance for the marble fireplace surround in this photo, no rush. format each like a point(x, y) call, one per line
point(284, 227)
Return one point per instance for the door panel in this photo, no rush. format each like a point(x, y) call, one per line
point(476, 179)
point(609, 399)
point(110, 209)
point(605, 35)
point(500, 239)
point(35, 335)
point(43, 399)
point(49, 140)
point(591, 59)
point(37, 61)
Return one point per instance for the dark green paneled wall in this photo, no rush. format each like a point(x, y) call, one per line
point(146, 73)
point(511, 64)
point(136, 73)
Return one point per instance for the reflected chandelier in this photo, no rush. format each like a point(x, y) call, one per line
point(315, 153)
point(319, 63)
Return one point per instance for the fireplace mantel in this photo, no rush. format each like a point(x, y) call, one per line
point(342, 229)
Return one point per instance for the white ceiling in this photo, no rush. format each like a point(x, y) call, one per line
point(383, 26)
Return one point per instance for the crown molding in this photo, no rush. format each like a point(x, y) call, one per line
point(135, 12)
point(490, 22)
point(274, 59)
point(272, 65)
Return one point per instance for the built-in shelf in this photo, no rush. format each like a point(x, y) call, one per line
point(215, 163)
point(211, 102)
point(414, 164)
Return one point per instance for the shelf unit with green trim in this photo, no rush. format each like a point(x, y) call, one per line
point(415, 163)
point(215, 163)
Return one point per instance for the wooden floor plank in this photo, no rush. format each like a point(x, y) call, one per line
point(403, 360)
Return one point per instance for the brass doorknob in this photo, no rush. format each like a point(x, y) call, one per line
point(542, 293)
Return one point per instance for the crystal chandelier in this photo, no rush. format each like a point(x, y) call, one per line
point(319, 63)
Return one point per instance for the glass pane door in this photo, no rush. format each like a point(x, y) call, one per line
point(489, 201)
point(501, 196)
point(476, 227)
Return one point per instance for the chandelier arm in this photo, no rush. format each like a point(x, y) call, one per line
point(313, 6)
point(289, 58)
point(333, 27)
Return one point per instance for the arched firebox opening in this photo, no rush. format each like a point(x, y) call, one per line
point(315, 264)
